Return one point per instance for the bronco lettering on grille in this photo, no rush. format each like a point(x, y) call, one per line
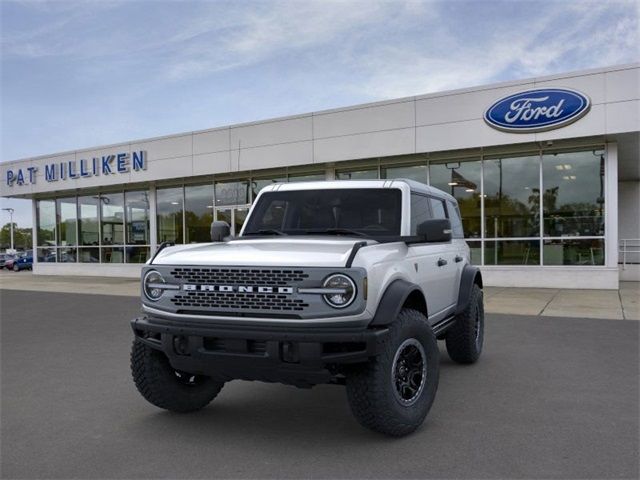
point(237, 289)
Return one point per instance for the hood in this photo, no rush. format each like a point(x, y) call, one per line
point(271, 251)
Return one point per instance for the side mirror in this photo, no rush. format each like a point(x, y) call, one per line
point(435, 230)
point(219, 231)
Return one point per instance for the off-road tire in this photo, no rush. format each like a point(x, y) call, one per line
point(159, 384)
point(464, 342)
point(371, 388)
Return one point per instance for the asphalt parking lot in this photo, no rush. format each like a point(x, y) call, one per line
point(550, 398)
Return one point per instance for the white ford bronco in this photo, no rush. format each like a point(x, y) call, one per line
point(344, 282)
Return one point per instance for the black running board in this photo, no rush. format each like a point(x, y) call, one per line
point(443, 325)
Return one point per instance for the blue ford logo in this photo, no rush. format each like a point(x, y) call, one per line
point(537, 110)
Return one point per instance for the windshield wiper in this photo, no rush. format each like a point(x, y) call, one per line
point(266, 231)
point(338, 231)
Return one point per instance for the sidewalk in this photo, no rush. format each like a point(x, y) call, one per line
point(612, 304)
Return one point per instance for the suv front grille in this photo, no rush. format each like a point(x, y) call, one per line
point(232, 276)
point(238, 301)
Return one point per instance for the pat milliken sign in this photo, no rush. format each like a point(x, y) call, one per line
point(115, 164)
point(537, 110)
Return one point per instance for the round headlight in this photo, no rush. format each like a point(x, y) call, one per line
point(344, 290)
point(150, 285)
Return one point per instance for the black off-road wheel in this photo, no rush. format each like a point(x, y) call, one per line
point(465, 338)
point(393, 393)
point(165, 387)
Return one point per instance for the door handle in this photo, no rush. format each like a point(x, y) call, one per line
point(442, 262)
point(459, 258)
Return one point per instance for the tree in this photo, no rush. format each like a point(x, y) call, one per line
point(21, 237)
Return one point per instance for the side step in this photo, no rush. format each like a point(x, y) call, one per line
point(442, 326)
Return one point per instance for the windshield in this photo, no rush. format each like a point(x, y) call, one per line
point(367, 212)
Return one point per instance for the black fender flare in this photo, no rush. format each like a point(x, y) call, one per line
point(470, 276)
point(393, 299)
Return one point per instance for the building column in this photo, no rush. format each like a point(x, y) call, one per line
point(611, 205)
point(34, 231)
point(153, 233)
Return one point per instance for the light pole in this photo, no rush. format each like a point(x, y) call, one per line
point(10, 210)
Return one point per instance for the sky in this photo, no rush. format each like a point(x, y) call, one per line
point(78, 74)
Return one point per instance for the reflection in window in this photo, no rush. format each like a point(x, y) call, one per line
point(112, 218)
point(308, 177)
point(462, 181)
point(67, 255)
point(258, 184)
point(112, 255)
point(198, 212)
point(512, 197)
point(89, 254)
point(420, 211)
point(88, 233)
point(412, 172)
point(475, 248)
point(67, 213)
point(512, 252)
point(137, 254)
point(573, 252)
point(46, 222)
point(46, 255)
point(169, 211)
point(368, 174)
point(232, 193)
point(137, 217)
point(573, 193)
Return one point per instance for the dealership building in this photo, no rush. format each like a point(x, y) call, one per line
point(546, 172)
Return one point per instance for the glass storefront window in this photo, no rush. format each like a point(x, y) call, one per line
point(137, 254)
point(46, 222)
point(88, 254)
point(512, 197)
point(475, 249)
point(571, 251)
point(412, 172)
point(67, 255)
point(88, 233)
point(46, 255)
point(307, 177)
point(512, 252)
point(364, 174)
point(462, 181)
point(573, 199)
point(67, 218)
point(232, 193)
point(198, 212)
point(112, 218)
point(112, 255)
point(137, 217)
point(169, 211)
point(258, 184)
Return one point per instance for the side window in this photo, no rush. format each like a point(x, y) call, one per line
point(420, 211)
point(456, 221)
point(437, 206)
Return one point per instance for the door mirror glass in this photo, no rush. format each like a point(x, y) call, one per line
point(219, 231)
point(435, 230)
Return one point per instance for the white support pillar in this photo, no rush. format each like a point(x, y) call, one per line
point(611, 205)
point(34, 231)
point(153, 234)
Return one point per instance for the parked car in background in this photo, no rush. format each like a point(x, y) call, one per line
point(6, 257)
point(23, 262)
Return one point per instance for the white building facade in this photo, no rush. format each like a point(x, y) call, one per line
point(546, 172)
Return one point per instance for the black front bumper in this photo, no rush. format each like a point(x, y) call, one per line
point(303, 357)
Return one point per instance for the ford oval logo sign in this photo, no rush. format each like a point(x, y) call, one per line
point(537, 110)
